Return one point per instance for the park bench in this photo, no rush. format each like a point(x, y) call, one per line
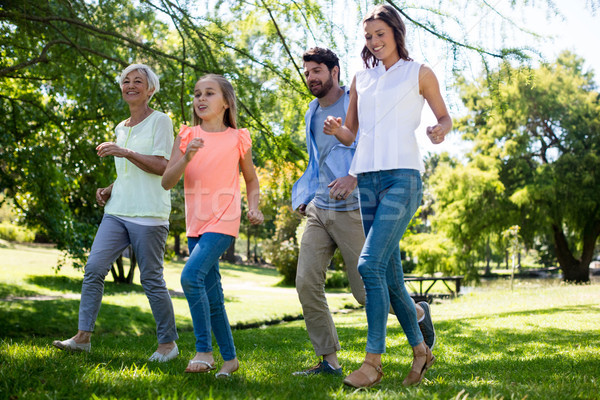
point(428, 282)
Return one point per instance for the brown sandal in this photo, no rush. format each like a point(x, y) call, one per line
point(359, 379)
point(415, 376)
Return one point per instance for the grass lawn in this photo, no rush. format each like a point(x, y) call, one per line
point(536, 342)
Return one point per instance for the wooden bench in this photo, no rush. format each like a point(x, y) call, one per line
point(424, 295)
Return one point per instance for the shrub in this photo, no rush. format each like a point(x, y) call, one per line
point(282, 249)
point(15, 233)
point(336, 280)
point(284, 256)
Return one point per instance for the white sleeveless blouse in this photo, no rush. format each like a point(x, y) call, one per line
point(389, 112)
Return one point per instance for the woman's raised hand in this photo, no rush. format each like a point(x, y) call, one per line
point(193, 147)
point(331, 125)
point(436, 134)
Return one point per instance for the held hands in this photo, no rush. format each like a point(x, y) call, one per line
point(255, 217)
point(102, 195)
point(331, 125)
point(193, 147)
point(342, 187)
point(436, 134)
point(111, 149)
point(302, 209)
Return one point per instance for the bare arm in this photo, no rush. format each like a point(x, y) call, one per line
point(178, 162)
point(148, 163)
point(252, 188)
point(430, 89)
point(345, 133)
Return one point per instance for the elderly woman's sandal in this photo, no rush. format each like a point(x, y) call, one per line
point(359, 379)
point(208, 367)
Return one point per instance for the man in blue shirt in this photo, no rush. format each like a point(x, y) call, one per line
point(326, 194)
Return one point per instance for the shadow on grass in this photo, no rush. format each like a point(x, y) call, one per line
point(482, 361)
point(59, 318)
point(73, 285)
point(8, 290)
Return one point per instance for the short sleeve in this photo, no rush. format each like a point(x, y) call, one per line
point(185, 134)
point(162, 142)
point(245, 141)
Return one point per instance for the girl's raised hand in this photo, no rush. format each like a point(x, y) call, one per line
point(193, 147)
point(255, 217)
point(331, 125)
point(436, 134)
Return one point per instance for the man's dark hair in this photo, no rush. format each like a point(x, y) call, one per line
point(322, 56)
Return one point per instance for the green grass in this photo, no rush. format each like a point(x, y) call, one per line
point(536, 342)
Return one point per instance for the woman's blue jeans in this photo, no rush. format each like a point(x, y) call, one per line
point(201, 283)
point(388, 201)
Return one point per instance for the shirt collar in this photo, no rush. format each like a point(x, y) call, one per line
point(381, 68)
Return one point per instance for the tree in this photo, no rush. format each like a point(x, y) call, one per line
point(59, 60)
point(542, 128)
point(58, 71)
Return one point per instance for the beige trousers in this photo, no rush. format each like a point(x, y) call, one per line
point(325, 231)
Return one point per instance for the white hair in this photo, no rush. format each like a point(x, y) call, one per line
point(152, 78)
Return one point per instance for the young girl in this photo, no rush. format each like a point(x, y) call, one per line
point(386, 100)
point(211, 153)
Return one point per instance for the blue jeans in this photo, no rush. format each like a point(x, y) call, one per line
point(201, 283)
point(388, 201)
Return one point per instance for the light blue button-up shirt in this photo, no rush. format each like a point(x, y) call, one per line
point(335, 165)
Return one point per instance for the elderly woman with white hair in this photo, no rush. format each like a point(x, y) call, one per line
point(136, 213)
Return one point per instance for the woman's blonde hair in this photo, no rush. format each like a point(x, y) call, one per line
point(230, 116)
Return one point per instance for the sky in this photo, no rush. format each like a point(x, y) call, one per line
point(577, 30)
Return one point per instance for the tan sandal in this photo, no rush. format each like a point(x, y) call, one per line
point(415, 376)
point(359, 379)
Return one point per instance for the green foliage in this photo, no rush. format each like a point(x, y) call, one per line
point(15, 233)
point(537, 130)
point(336, 280)
point(282, 249)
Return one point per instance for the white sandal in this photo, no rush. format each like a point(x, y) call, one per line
point(209, 366)
point(156, 356)
point(71, 345)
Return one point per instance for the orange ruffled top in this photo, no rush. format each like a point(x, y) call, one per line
point(211, 180)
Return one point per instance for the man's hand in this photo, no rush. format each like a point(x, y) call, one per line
point(342, 187)
point(302, 209)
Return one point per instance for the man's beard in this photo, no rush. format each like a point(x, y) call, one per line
point(325, 88)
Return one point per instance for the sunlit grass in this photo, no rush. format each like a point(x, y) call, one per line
point(538, 341)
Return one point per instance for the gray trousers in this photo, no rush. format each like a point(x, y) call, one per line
point(325, 231)
point(113, 236)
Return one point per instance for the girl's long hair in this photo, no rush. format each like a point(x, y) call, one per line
point(390, 16)
point(230, 116)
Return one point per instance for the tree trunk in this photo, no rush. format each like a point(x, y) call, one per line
point(118, 274)
point(229, 255)
point(574, 270)
point(177, 244)
point(488, 256)
point(248, 244)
